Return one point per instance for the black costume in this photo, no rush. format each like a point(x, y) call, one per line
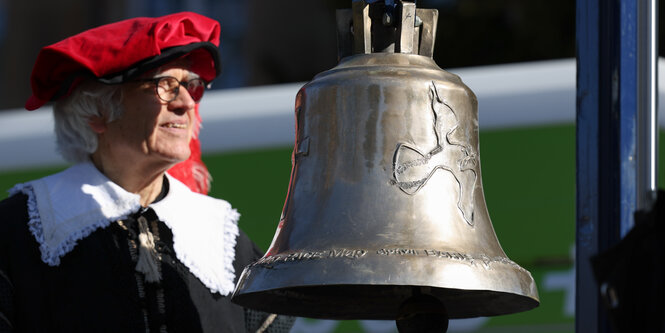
point(95, 286)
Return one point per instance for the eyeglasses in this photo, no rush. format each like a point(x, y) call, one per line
point(168, 87)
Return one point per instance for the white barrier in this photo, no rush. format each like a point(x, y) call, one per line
point(512, 95)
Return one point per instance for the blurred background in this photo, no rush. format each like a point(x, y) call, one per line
point(517, 55)
point(269, 42)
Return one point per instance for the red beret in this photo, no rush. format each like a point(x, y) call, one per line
point(117, 52)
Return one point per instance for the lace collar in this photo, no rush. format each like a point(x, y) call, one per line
point(68, 206)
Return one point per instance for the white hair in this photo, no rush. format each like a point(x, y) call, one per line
point(75, 139)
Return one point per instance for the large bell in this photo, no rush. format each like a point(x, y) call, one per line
point(386, 200)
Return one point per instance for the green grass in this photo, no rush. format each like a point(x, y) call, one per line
point(529, 182)
point(255, 183)
point(12, 177)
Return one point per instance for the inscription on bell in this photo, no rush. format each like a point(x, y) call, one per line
point(352, 254)
point(309, 255)
point(471, 259)
point(399, 252)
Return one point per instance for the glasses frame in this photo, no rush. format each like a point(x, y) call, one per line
point(176, 90)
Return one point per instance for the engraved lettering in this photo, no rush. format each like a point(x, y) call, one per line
point(471, 259)
point(485, 260)
point(358, 253)
point(398, 251)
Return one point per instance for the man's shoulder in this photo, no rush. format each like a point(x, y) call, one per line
point(15, 235)
point(13, 209)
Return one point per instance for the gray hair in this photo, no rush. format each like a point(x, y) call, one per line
point(75, 139)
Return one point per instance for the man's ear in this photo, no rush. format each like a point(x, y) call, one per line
point(98, 124)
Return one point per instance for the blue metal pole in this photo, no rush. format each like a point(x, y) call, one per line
point(589, 180)
point(616, 144)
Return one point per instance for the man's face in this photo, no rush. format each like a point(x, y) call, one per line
point(151, 129)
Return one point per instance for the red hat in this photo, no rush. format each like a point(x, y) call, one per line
point(117, 52)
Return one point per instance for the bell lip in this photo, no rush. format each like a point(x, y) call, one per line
point(358, 287)
point(286, 301)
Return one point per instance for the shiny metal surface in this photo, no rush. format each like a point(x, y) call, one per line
point(385, 200)
point(647, 106)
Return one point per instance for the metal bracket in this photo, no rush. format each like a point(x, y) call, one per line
point(370, 27)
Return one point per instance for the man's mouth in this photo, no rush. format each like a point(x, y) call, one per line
point(175, 125)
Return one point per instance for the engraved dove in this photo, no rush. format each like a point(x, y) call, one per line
point(412, 167)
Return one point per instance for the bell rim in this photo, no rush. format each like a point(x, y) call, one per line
point(300, 286)
point(485, 303)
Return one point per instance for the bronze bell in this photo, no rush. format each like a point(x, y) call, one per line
point(386, 200)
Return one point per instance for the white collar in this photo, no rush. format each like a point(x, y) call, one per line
point(68, 206)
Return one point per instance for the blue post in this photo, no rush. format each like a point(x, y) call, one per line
point(616, 134)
